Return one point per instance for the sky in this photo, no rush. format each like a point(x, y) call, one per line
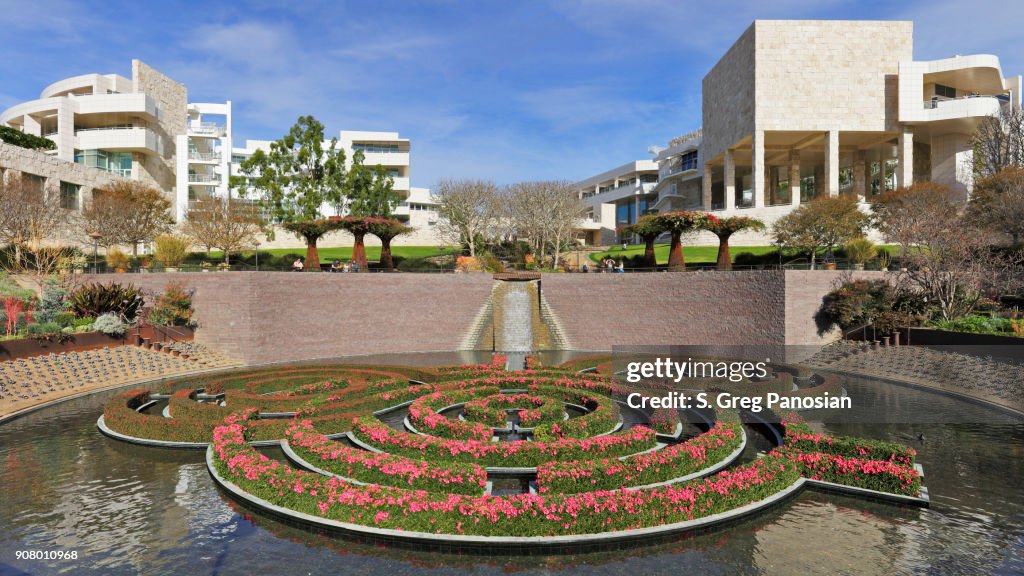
point(508, 91)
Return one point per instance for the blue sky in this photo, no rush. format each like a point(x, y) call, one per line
point(503, 90)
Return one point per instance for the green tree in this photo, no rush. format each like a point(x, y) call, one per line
point(387, 230)
point(677, 224)
point(296, 178)
point(826, 221)
point(370, 190)
point(724, 228)
point(648, 228)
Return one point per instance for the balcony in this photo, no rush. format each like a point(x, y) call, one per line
point(194, 156)
point(204, 178)
point(386, 159)
point(211, 129)
point(135, 138)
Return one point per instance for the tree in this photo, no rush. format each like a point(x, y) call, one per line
point(387, 230)
point(677, 224)
point(998, 202)
point(826, 221)
point(30, 220)
point(371, 190)
point(648, 228)
point(999, 142)
point(903, 215)
point(467, 209)
point(724, 228)
point(546, 212)
point(296, 178)
point(229, 224)
point(359, 227)
point(947, 254)
point(127, 212)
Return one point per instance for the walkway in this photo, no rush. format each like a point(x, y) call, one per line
point(29, 382)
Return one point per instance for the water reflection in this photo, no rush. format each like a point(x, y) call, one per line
point(129, 510)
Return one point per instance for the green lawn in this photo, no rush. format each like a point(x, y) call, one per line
point(698, 254)
point(693, 254)
point(344, 253)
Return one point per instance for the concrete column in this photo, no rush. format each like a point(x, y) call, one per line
point(706, 188)
point(31, 125)
point(730, 180)
point(905, 154)
point(794, 177)
point(832, 162)
point(757, 169)
point(65, 132)
point(820, 184)
point(860, 176)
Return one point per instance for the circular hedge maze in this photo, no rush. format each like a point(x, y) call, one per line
point(414, 454)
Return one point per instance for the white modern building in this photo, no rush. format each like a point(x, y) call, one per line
point(616, 198)
point(797, 109)
point(206, 166)
point(138, 128)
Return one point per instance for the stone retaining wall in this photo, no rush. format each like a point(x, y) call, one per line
point(277, 316)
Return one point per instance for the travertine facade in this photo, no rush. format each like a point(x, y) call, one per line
point(172, 100)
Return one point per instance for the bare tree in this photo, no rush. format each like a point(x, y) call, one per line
point(127, 212)
point(31, 220)
point(998, 202)
point(547, 213)
point(947, 255)
point(999, 141)
point(228, 224)
point(467, 209)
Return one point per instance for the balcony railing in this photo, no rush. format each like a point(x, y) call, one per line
point(204, 156)
point(117, 127)
point(207, 128)
point(204, 178)
point(937, 101)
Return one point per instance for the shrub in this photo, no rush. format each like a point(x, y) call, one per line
point(93, 300)
point(109, 324)
point(53, 302)
point(117, 260)
point(170, 250)
point(173, 307)
point(977, 324)
point(860, 250)
point(25, 140)
point(857, 302)
point(43, 328)
point(67, 319)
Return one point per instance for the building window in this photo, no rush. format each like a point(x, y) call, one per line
point(119, 163)
point(649, 178)
point(945, 91)
point(688, 161)
point(375, 148)
point(69, 195)
point(35, 182)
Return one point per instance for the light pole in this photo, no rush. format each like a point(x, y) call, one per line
point(95, 248)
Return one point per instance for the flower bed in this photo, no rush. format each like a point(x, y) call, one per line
point(881, 475)
point(507, 454)
point(423, 415)
point(665, 421)
point(521, 515)
point(383, 469)
point(674, 461)
point(533, 410)
point(602, 416)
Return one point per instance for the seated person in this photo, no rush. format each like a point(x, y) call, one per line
point(297, 266)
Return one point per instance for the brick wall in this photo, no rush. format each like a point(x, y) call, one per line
point(275, 316)
point(598, 311)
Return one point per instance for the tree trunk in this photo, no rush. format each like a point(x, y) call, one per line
point(227, 257)
point(814, 252)
point(385, 254)
point(724, 258)
point(359, 251)
point(472, 243)
point(135, 250)
point(650, 260)
point(676, 260)
point(312, 255)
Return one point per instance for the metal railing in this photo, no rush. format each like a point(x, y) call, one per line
point(207, 128)
point(204, 156)
point(203, 178)
point(936, 101)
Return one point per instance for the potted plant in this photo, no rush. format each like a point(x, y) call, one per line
point(117, 260)
point(170, 250)
point(205, 266)
point(859, 251)
point(883, 261)
point(223, 267)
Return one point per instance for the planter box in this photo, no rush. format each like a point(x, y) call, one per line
point(965, 342)
point(27, 347)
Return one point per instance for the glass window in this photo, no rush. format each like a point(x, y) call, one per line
point(945, 91)
point(69, 195)
point(375, 148)
point(688, 161)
